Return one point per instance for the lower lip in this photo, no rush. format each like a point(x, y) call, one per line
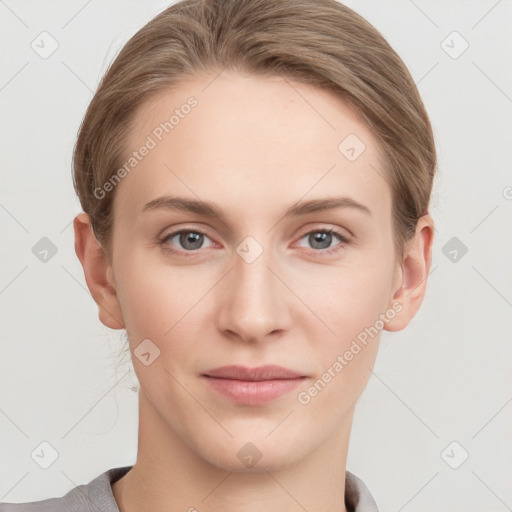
point(253, 392)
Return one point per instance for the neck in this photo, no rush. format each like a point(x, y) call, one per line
point(169, 475)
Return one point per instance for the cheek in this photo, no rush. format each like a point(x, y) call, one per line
point(163, 303)
point(148, 298)
point(346, 357)
point(351, 303)
point(347, 298)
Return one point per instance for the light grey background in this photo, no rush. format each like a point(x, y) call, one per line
point(445, 378)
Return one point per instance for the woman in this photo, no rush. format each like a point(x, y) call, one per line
point(255, 178)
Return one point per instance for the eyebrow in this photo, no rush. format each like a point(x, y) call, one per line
point(208, 209)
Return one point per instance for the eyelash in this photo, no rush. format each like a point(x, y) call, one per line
point(335, 249)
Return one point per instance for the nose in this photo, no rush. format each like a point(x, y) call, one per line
point(253, 300)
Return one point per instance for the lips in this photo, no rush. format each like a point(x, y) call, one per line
point(252, 386)
point(268, 372)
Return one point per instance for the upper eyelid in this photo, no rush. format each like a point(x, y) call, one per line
point(306, 232)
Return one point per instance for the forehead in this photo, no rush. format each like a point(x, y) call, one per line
point(247, 141)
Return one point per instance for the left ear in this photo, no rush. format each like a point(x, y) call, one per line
point(411, 281)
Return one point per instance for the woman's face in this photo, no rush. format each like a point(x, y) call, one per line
point(277, 276)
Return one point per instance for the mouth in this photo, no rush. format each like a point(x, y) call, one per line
point(253, 386)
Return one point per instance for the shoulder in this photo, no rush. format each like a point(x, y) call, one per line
point(91, 497)
point(357, 496)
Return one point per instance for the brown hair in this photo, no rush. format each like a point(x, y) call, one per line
point(319, 42)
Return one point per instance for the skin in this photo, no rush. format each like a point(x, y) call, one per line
point(253, 146)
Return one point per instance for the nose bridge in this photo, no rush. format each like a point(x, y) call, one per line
point(253, 302)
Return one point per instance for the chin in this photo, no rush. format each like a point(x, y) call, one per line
point(252, 452)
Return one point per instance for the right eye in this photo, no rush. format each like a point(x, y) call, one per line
point(190, 240)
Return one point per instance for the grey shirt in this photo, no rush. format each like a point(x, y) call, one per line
point(96, 496)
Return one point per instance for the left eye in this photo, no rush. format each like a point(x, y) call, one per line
point(322, 239)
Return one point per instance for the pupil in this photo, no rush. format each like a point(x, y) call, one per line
point(319, 238)
point(194, 238)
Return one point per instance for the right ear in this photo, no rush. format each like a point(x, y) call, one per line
point(98, 273)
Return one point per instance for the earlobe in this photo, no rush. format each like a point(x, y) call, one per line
point(98, 273)
point(414, 270)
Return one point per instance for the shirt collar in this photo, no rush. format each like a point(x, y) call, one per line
point(357, 496)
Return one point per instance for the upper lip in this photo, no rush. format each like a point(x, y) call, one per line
point(267, 372)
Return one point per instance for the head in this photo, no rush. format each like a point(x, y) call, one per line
point(208, 166)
